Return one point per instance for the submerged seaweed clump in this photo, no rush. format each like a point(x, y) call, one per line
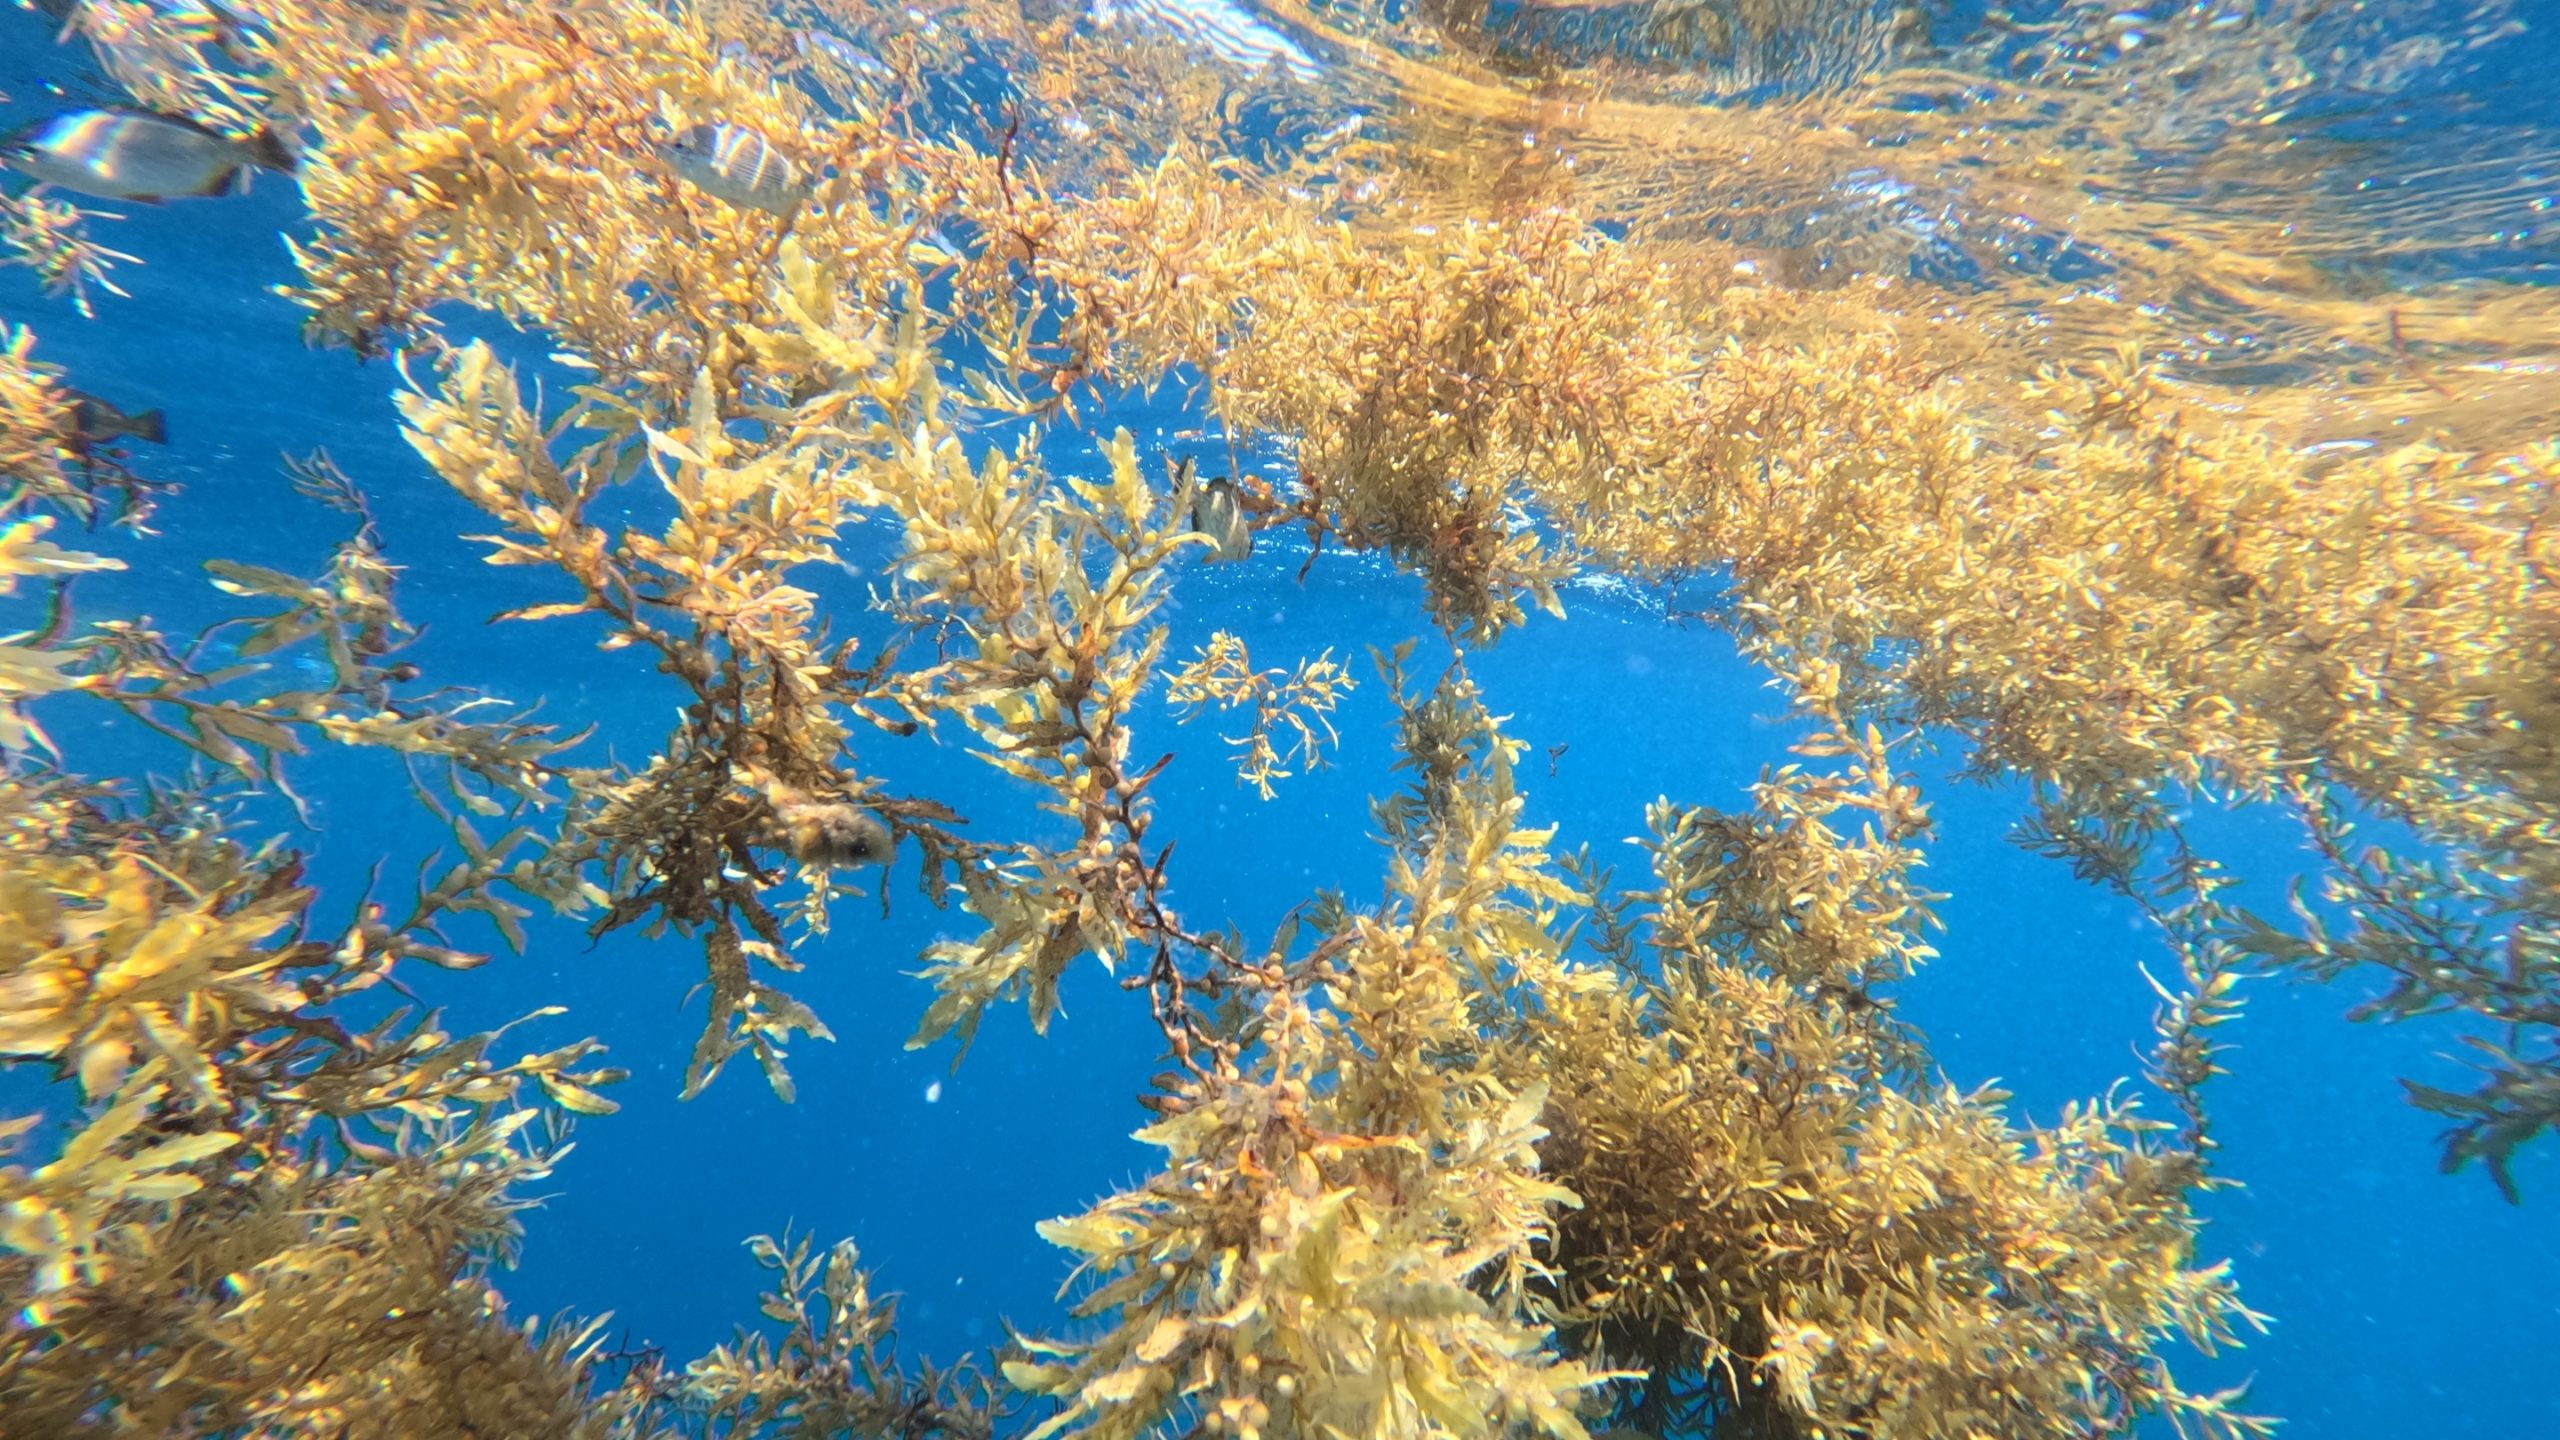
point(1507, 1150)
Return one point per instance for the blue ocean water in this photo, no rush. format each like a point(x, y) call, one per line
point(2404, 1302)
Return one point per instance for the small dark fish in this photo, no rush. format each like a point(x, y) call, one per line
point(123, 154)
point(736, 164)
point(94, 422)
point(1217, 511)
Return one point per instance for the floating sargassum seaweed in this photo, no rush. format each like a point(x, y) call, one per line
point(2102, 584)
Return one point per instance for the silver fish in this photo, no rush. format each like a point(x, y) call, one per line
point(200, 21)
point(2318, 460)
point(1217, 511)
point(736, 164)
point(843, 52)
point(1222, 27)
point(223, 22)
point(121, 154)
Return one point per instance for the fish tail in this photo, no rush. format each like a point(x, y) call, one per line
point(151, 426)
point(270, 151)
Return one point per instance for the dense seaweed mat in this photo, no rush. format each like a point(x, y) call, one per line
point(2031, 391)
